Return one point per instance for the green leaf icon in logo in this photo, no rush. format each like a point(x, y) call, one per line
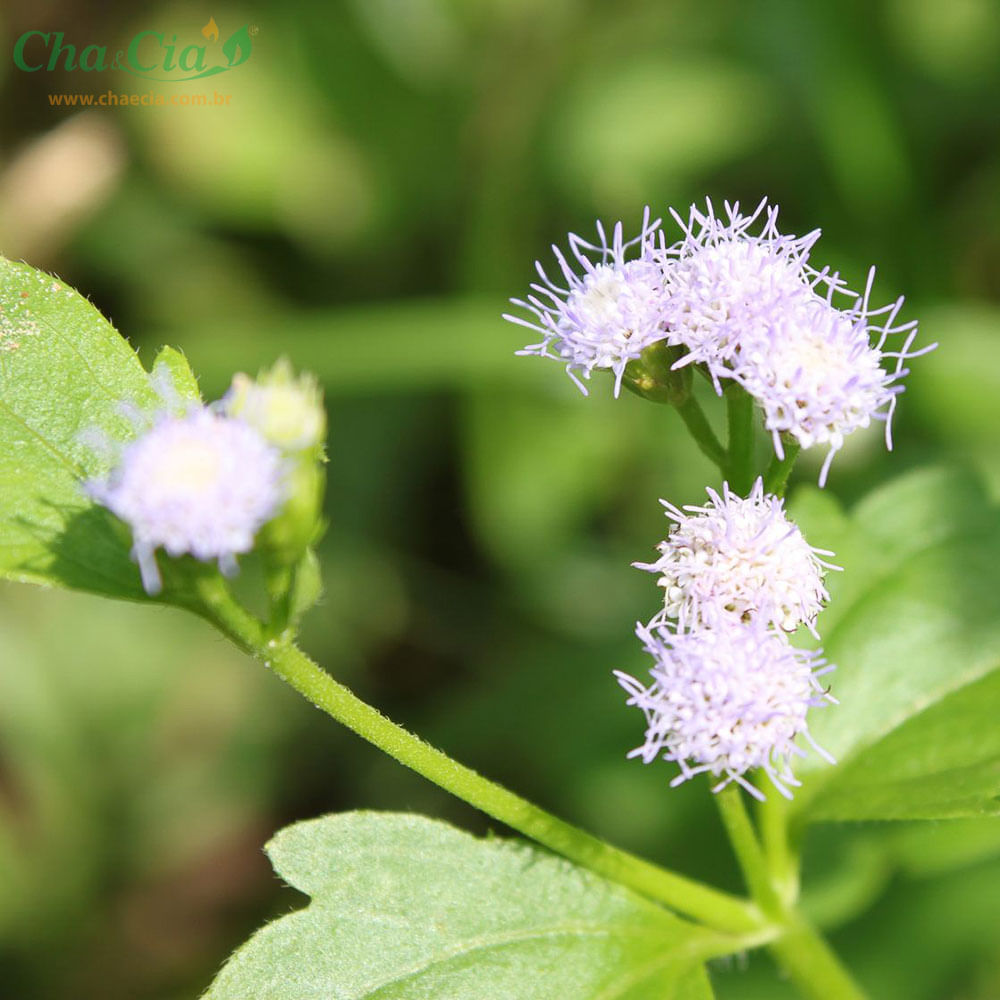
point(236, 47)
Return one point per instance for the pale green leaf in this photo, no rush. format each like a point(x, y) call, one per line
point(65, 375)
point(914, 628)
point(407, 908)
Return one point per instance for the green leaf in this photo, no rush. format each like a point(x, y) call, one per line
point(64, 374)
point(405, 907)
point(184, 380)
point(914, 628)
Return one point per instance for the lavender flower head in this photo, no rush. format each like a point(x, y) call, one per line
point(818, 376)
point(196, 483)
point(723, 284)
point(752, 308)
point(607, 311)
point(737, 559)
point(726, 700)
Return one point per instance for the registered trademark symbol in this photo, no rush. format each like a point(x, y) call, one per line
point(253, 29)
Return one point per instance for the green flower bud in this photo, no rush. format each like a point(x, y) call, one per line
point(285, 408)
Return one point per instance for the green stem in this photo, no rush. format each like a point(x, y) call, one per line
point(776, 477)
point(812, 965)
point(712, 907)
point(782, 861)
point(800, 950)
point(739, 419)
point(749, 853)
point(697, 423)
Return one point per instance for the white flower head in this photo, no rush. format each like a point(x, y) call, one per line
point(819, 372)
point(726, 700)
point(738, 559)
point(607, 311)
point(198, 483)
point(724, 284)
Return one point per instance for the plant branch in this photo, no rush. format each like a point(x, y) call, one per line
point(749, 853)
point(739, 421)
point(711, 907)
point(800, 950)
point(776, 477)
point(782, 861)
point(697, 423)
point(812, 965)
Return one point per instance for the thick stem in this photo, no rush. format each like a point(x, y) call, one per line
point(782, 860)
point(776, 477)
point(800, 950)
point(739, 420)
point(716, 909)
point(697, 423)
point(749, 853)
point(811, 964)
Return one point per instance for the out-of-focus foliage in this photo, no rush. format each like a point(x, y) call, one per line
point(913, 622)
point(383, 178)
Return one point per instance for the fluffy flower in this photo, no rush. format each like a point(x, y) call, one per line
point(197, 483)
point(818, 375)
point(811, 351)
point(726, 700)
point(737, 559)
point(606, 314)
point(723, 285)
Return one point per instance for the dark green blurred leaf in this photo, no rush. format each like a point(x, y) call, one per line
point(407, 907)
point(386, 348)
point(929, 849)
point(914, 628)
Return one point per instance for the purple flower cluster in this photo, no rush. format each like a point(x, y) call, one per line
point(605, 316)
point(730, 693)
point(194, 480)
point(744, 305)
point(200, 483)
point(726, 700)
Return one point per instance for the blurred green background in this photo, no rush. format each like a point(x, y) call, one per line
point(380, 183)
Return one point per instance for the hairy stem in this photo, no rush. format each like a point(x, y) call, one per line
point(712, 907)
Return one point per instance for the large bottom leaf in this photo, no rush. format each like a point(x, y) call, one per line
point(405, 907)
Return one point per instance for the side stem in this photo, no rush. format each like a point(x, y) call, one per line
point(749, 853)
point(701, 430)
point(712, 907)
point(776, 477)
point(739, 420)
point(800, 950)
point(812, 965)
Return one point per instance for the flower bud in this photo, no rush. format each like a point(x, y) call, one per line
point(285, 408)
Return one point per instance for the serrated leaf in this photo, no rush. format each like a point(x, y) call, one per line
point(64, 374)
point(914, 628)
point(407, 908)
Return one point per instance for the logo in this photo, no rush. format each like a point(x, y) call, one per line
point(149, 54)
